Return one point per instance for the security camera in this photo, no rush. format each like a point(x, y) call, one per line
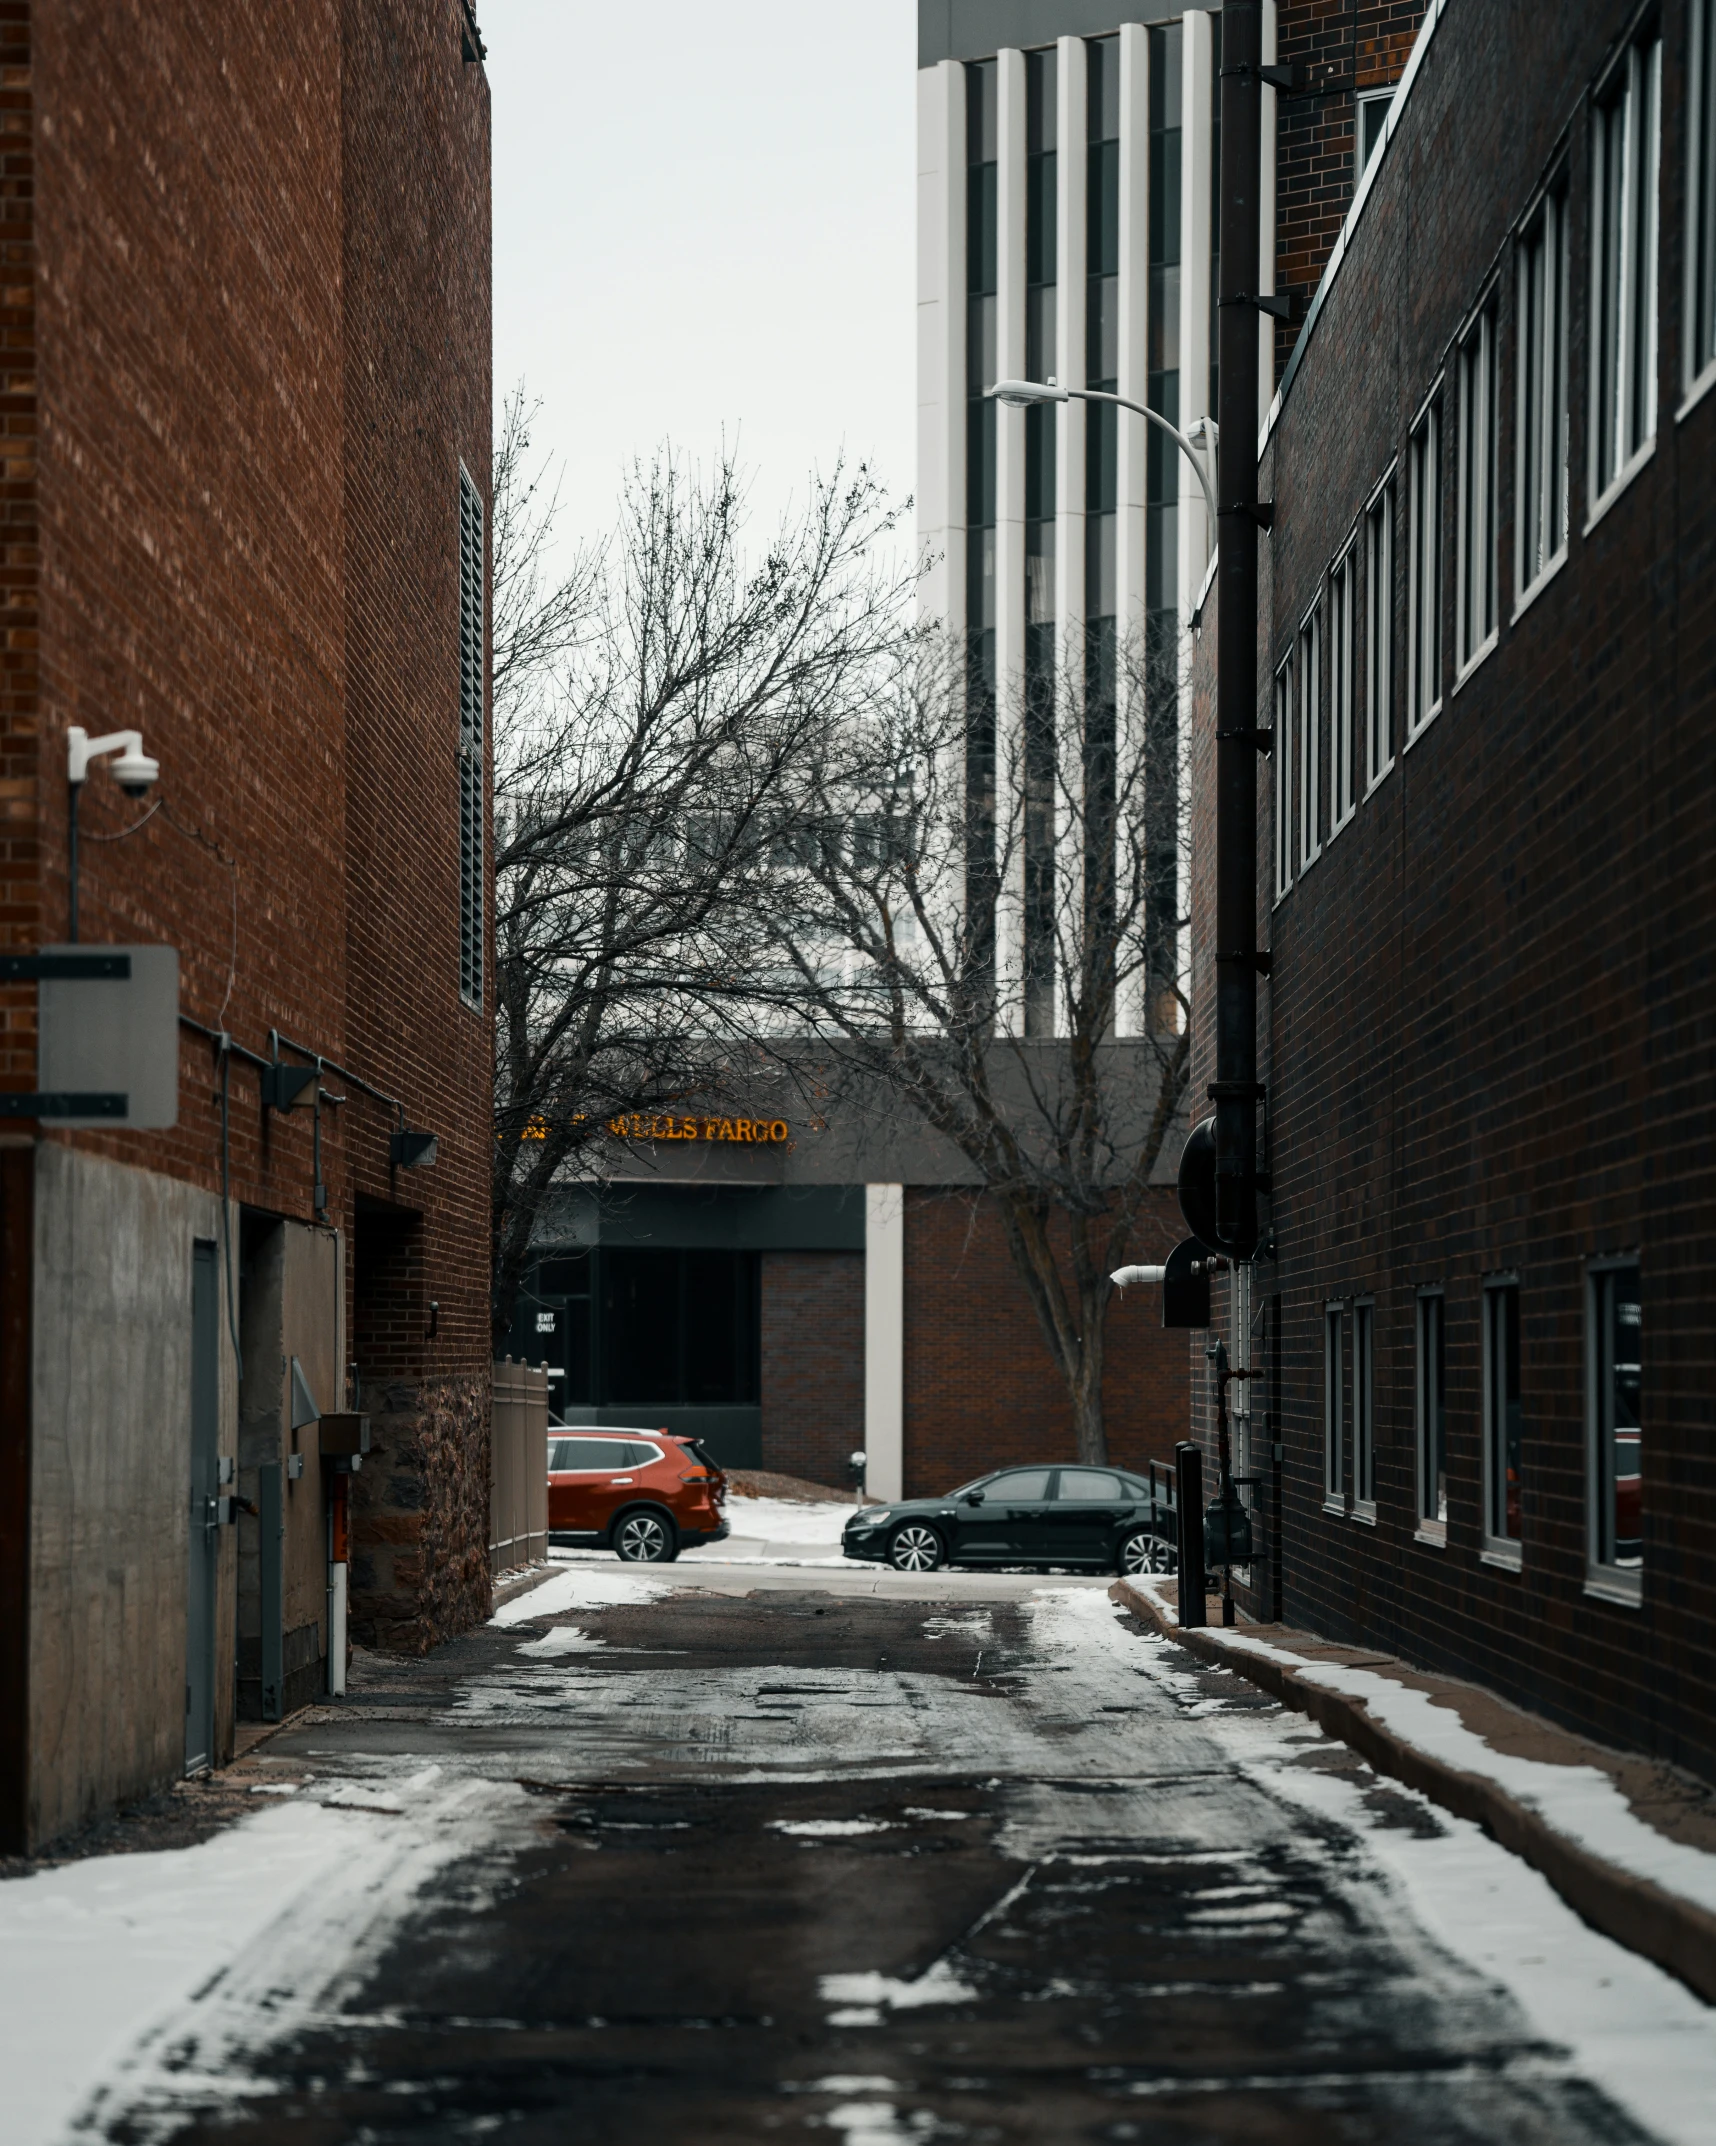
point(135, 772)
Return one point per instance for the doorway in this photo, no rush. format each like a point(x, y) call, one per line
point(204, 1544)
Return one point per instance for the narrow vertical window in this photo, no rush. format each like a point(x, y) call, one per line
point(472, 682)
point(1379, 634)
point(1475, 609)
point(1364, 1435)
point(1102, 370)
point(1615, 1370)
point(1284, 778)
point(1310, 758)
point(1699, 332)
point(1541, 446)
point(1424, 572)
point(1502, 1422)
point(981, 263)
point(1343, 711)
point(1372, 123)
point(1042, 271)
point(1334, 1409)
point(1432, 1414)
point(1624, 156)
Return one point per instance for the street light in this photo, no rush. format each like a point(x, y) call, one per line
point(1020, 394)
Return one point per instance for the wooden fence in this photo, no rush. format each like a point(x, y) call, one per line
point(518, 1467)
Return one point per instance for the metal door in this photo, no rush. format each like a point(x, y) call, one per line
point(1007, 1523)
point(205, 1509)
point(1084, 1519)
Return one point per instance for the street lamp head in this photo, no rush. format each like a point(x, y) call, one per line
point(1020, 394)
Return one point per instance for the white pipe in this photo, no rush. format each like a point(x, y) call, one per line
point(1124, 1277)
point(337, 1631)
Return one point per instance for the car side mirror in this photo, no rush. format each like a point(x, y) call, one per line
point(972, 1497)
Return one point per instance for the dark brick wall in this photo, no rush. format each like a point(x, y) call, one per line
point(812, 1363)
point(1487, 1031)
point(20, 554)
point(980, 1386)
point(1341, 47)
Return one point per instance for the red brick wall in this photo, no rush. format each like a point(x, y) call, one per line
point(812, 1363)
point(980, 1386)
point(1341, 46)
point(20, 557)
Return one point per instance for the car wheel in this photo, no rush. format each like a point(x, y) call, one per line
point(1142, 1551)
point(915, 1548)
point(645, 1538)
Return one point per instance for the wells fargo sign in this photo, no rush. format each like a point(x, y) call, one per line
point(758, 1132)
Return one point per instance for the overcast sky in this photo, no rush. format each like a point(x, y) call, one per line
point(703, 222)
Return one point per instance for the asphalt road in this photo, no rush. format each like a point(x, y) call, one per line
point(811, 1859)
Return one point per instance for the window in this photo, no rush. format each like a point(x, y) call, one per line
point(1379, 634)
point(1475, 610)
point(1432, 1412)
point(1364, 1438)
point(1541, 449)
point(1334, 1409)
point(1042, 269)
point(1698, 359)
point(677, 1328)
point(1018, 1485)
point(471, 688)
point(1081, 1485)
point(1501, 1422)
point(1614, 1373)
point(1284, 778)
point(1424, 572)
point(1343, 731)
point(1372, 116)
point(1624, 147)
point(1310, 768)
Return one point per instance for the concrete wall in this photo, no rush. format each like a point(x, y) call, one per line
point(110, 1487)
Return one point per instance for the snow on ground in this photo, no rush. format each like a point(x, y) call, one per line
point(1632, 2028)
point(125, 1970)
point(771, 1531)
point(606, 1584)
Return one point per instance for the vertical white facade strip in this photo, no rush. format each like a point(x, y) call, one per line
point(941, 339)
point(1010, 148)
point(1072, 85)
point(1197, 65)
point(885, 1339)
point(1266, 229)
point(1134, 352)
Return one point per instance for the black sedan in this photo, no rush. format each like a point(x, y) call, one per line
point(1097, 1518)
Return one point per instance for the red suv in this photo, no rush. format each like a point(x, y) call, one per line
point(643, 1494)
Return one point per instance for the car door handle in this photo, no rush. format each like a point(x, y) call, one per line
point(618, 1479)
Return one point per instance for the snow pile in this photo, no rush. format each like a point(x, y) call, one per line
point(608, 1585)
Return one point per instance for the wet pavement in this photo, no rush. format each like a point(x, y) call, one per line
point(708, 1865)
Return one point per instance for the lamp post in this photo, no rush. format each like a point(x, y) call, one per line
point(1020, 394)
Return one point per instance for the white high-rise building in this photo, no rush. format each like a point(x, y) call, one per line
point(1067, 230)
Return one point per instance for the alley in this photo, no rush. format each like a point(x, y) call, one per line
point(692, 1858)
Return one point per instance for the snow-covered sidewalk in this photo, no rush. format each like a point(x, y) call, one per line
point(1624, 1839)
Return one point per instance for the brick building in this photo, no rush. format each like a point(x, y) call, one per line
point(246, 406)
point(1486, 650)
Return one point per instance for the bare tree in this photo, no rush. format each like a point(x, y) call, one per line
point(655, 704)
point(986, 924)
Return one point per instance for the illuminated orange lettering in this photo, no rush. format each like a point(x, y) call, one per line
point(778, 1130)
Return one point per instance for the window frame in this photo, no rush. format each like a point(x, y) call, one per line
point(1549, 225)
point(1286, 811)
point(1335, 1313)
point(1430, 1528)
point(1638, 69)
point(1424, 619)
point(1607, 1581)
point(1361, 1357)
point(1502, 1550)
point(1308, 643)
point(1698, 244)
point(1379, 513)
point(1385, 97)
point(1477, 457)
point(1344, 791)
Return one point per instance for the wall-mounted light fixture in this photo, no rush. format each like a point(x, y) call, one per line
point(412, 1151)
point(287, 1087)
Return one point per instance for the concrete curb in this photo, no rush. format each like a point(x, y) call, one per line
point(1675, 1933)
